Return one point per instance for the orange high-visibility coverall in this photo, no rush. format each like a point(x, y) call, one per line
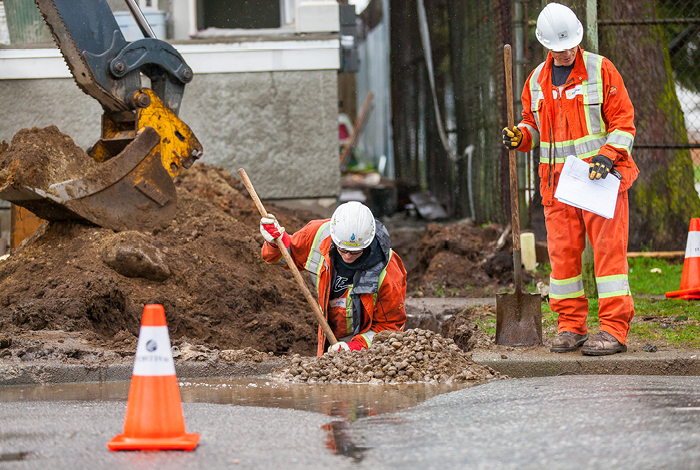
point(591, 114)
point(381, 288)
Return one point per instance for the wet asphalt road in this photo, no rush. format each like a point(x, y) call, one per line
point(622, 422)
point(569, 422)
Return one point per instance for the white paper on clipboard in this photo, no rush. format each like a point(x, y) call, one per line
point(576, 189)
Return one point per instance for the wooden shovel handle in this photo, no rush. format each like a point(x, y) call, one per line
point(512, 163)
point(318, 313)
point(513, 173)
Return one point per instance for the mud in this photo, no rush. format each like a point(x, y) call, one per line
point(394, 357)
point(456, 259)
point(90, 283)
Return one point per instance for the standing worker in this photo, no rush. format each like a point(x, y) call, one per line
point(575, 103)
point(361, 282)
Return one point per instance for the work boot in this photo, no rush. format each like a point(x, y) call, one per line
point(567, 341)
point(603, 344)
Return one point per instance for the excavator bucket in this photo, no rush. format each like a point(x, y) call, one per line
point(132, 190)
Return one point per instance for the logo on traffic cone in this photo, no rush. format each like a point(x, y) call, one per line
point(154, 418)
point(690, 279)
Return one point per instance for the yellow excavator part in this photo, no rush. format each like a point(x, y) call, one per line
point(178, 145)
point(132, 188)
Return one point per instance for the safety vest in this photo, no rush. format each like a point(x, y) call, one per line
point(379, 294)
point(599, 119)
point(592, 91)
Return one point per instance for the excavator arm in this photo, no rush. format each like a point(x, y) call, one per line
point(143, 143)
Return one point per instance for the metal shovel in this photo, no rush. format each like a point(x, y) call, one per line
point(518, 315)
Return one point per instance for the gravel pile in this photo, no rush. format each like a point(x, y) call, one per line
point(395, 357)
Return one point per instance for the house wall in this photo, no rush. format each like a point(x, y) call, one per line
point(282, 127)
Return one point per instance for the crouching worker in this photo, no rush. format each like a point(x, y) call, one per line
point(361, 282)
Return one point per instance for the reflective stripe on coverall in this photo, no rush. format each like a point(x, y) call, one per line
point(382, 298)
point(592, 115)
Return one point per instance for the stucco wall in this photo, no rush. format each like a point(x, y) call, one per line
point(280, 126)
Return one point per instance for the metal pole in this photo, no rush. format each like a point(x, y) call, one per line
point(519, 38)
point(592, 25)
point(140, 19)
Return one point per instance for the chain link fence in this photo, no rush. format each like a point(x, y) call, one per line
point(681, 28)
point(678, 23)
point(467, 38)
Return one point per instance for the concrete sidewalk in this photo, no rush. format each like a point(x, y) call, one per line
point(430, 312)
point(540, 362)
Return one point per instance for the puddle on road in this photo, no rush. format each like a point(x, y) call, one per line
point(346, 401)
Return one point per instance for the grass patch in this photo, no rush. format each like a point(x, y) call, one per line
point(488, 324)
point(670, 320)
point(680, 336)
point(654, 276)
point(440, 290)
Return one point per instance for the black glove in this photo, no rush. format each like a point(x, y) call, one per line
point(600, 166)
point(512, 138)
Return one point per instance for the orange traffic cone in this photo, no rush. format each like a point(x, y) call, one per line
point(154, 419)
point(690, 279)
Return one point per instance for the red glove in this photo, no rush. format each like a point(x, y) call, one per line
point(271, 231)
point(355, 345)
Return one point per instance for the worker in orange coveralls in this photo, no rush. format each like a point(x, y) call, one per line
point(360, 281)
point(575, 104)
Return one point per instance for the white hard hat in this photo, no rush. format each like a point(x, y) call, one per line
point(558, 29)
point(352, 226)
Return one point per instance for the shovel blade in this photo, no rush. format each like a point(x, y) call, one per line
point(519, 319)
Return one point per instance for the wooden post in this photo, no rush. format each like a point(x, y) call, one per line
point(588, 271)
point(590, 37)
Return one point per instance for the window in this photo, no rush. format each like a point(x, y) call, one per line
point(245, 14)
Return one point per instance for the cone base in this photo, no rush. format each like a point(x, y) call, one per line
point(187, 441)
point(684, 294)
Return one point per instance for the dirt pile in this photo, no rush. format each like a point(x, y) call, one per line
point(394, 357)
point(205, 269)
point(460, 325)
point(456, 259)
